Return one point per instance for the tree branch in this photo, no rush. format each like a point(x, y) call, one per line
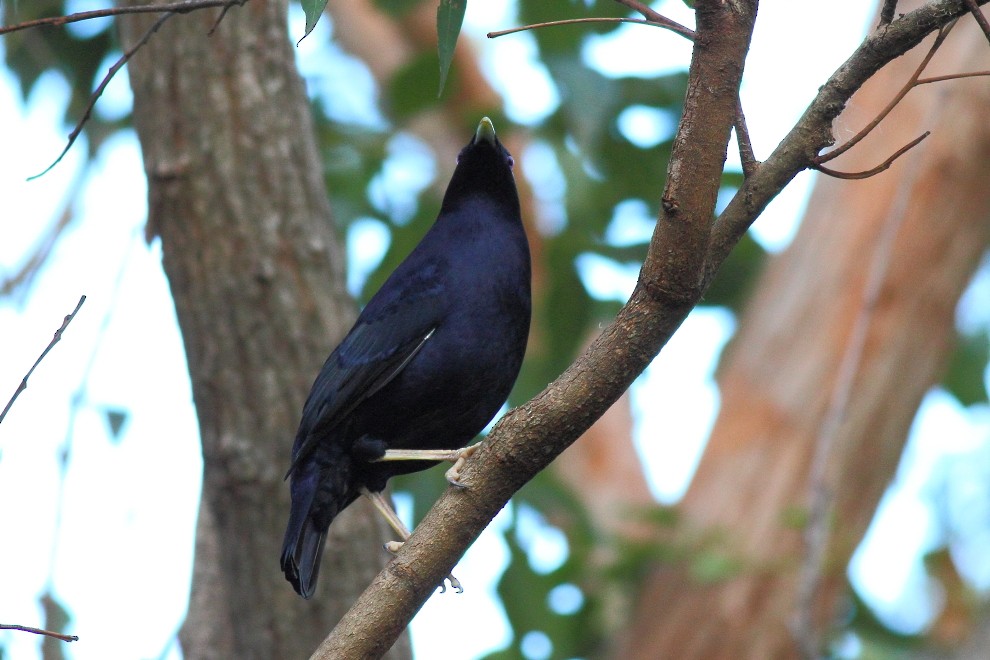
point(58, 335)
point(172, 7)
point(673, 26)
point(981, 20)
point(39, 631)
point(908, 86)
point(94, 97)
point(813, 131)
point(866, 174)
point(674, 275)
point(528, 438)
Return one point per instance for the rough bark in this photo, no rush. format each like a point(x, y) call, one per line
point(237, 196)
point(753, 482)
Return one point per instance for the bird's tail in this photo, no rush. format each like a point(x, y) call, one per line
point(302, 550)
point(319, 492)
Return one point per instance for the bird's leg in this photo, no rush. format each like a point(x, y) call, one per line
point(400, 528)
point(456, 456)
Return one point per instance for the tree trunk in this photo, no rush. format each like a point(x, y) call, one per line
point(751, 492)
point(237, 196)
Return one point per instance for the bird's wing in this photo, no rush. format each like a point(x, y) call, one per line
point(380, 345)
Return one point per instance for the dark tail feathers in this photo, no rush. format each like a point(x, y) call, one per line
point(301, 554)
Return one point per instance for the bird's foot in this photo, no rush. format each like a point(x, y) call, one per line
point(454, 473)
point(393, 547)
point(456, 456)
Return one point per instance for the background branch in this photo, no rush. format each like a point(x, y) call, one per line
point(39, 631)
point(173, 7)
point(58, 335)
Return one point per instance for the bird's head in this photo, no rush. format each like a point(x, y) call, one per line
point(484, 167)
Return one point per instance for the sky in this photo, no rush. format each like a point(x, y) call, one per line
point(126, 507)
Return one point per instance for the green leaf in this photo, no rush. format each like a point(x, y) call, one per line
point(450, 16)
point(313, 9)
point(116, 419)
point(964, 375)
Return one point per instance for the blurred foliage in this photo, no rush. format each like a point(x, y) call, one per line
point(964, 377)
point(602, 169)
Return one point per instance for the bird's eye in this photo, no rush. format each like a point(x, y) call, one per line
point(510, 160)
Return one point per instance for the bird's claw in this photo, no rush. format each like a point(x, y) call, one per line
point(454, 584)
point(454, 473)
point(393, 547)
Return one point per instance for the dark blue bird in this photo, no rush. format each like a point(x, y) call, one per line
point(429, 362)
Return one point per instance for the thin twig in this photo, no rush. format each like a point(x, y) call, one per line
point(183, 7)
point(866, 174)
point(94, 97)
point(223, 12)
point(908, 86)
point(980, 18)
point(746, 155)
point(58, 335)
point(887, 12)
point(687, 33)
point(39, 631)
point(656, 17)
point(953, 76)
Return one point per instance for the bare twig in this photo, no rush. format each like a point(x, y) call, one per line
point(183, 7)
point(887, 12)
point(39, 631)
point(58, 335)
point(94, 97)
point(953, 76)
point(656, 17)
point(680, 29)
point(876, 170)
point(980, 18)
point(223, 12)
point(118, 65)
point(746, 155)
point(908, 86)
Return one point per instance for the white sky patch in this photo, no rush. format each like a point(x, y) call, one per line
point(479, 571)
point(409, 167)
point(549, 186)
point(646, 127)
point(676, 400)
point(368, 240)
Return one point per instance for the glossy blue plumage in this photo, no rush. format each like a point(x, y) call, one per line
point(428, 363)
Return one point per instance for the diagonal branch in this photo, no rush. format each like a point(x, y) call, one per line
point(95, 96)
point(676, 271)
point(813, 131)
point(529, 437)
point(55, 339)
point(184, 7)
point(981, 20)
point(866, 174)
point(908, 86)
